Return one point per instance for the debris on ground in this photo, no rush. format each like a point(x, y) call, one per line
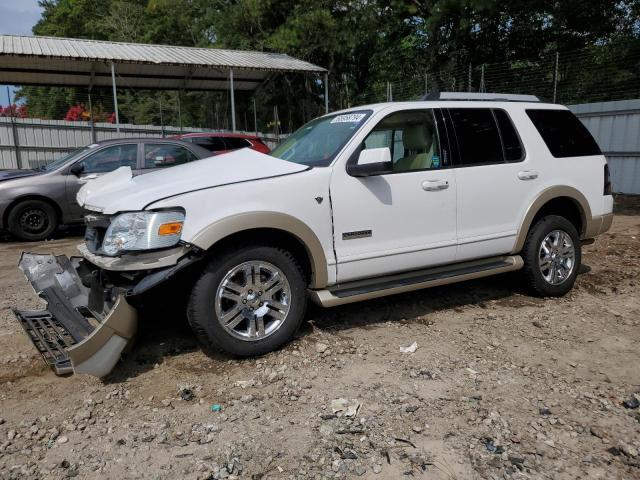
point(187, 394)
point(347, 408)
point(410, 348)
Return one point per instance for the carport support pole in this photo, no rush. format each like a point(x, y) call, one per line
point(233, 102)
point(326, 92)
point(255, 117)
point(115, 96)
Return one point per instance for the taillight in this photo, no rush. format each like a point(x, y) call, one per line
point(607, 180)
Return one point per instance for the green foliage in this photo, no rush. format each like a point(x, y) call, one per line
point(363, 43)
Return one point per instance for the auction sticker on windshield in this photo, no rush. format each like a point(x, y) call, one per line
point(349, 118)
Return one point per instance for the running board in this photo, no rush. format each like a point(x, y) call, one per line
point(415, 280)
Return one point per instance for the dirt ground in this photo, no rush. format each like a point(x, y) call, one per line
point(502, 385)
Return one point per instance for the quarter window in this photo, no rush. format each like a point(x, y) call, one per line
point(160, 155)
point(563, 133)
point(412, 138)
point(477, 135)
point(511, 142)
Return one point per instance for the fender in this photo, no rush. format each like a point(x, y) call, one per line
point(544, 197)
point(221, 229)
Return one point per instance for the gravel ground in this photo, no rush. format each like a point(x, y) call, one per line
point(502, 385)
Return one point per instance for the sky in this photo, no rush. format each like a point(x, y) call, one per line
point(17, 17)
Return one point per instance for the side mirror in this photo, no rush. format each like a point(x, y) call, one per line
point(372, 161)
point(77, 169)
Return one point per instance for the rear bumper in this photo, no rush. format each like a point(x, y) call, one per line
point(86, 324)
point(597, 225)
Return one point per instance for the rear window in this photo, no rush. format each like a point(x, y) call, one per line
point(510, 140)
point(235, 142)
point(213, 144)
point(563, 133)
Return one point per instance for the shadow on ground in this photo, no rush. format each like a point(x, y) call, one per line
point(164, 331)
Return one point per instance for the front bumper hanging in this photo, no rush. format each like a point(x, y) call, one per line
point(86, 326)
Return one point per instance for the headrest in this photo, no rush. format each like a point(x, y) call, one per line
point(416, 137)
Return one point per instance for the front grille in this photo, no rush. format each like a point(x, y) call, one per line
point(50, 338)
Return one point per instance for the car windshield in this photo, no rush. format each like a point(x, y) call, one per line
point(319, 141)
point(49, 167)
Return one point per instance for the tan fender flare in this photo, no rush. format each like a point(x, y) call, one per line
point(221, 229)
point(544, 197)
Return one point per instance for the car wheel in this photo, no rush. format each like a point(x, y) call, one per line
point(552, 256)
point(248, 301)
point(32, 220)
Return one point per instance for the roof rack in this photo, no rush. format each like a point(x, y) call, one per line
point(495, 97)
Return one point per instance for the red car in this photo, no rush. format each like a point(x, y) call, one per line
point(224, 142)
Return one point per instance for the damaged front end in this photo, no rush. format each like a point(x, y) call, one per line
point(90, 318)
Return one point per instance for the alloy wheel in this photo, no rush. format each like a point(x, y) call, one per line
point(253, 300)
point(557, 257)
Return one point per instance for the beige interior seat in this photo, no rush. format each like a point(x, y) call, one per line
point(418, 149)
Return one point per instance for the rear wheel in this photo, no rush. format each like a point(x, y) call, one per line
point(249, 301)
point(32, 220)
point(552, 256)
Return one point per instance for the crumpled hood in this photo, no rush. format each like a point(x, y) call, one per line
point(9, 174)
point(120, 191)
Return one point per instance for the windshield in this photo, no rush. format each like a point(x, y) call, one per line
point(319, 141)
point(64, 159)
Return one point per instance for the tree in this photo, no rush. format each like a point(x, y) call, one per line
point(363, 43)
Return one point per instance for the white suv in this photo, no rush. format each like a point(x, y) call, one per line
point(357, 204)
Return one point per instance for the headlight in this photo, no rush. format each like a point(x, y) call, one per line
point(143, 231)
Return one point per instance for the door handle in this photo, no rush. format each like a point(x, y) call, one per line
point(527, 175)
point(435, 185)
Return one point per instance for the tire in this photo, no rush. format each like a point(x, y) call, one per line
point(220, 295)
point(32, 220)
point(565, 255)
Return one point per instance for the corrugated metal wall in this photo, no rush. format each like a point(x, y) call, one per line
point(41, 141)
point(616, 128)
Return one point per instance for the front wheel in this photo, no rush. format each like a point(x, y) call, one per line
point(552, 256)
point(32, 220)
point(249, 301)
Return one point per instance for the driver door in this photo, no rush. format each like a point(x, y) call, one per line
point(402, 220)
point(98, 163)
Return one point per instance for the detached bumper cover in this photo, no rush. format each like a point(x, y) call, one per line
point(84, 328)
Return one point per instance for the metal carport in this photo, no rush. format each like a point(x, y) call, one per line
point(72, 62)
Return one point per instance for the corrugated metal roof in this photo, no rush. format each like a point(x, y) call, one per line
point(119, 52)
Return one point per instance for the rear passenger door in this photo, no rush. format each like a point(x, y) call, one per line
point(494, 180)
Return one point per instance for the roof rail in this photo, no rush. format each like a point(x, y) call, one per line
point(496, 97)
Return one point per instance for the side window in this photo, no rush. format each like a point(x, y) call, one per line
point(563, 133)
point(213, 144)
point(513, 151)
point(477, 136)
point(234, 143)
point(412, 138)
point(160, 155)
point(111, 158)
